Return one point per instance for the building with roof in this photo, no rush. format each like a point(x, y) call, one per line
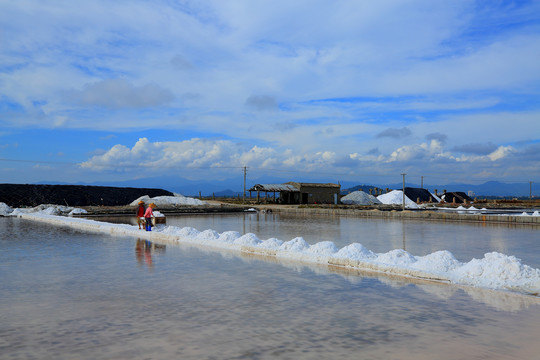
point(299, 193)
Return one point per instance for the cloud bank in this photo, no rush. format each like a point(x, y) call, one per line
point(372, 87)
point(196, 157)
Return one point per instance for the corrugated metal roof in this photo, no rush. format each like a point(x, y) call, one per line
point(274, 187)
point(318, 185)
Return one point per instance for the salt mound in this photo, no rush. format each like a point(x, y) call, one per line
point(5, 210)
point(395, 197)
point(158, 214)
point(177, 199)
point(359, 198)
point(77, 211)
point(48, 209)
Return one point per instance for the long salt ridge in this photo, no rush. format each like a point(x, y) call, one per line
point(495, 271)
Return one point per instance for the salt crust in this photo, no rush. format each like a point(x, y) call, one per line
point(494, 271)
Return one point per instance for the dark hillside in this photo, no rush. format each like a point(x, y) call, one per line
point(17, 195)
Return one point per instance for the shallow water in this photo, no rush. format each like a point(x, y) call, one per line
point(68, 294)
point(464, 240)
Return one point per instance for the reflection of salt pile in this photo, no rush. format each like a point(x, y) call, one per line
point(360, 198)
point(395, 197)
point(177, 199)
point(494, 271)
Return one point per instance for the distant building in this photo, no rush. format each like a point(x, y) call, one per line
point(299, 193)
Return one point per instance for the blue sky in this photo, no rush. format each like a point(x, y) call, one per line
point(331, 90)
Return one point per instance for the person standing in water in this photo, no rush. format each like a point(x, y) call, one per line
point(140, 214)
point(148, 216)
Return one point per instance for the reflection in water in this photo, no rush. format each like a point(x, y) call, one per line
point(144, 250)
point(500, 300)
point(69, 294)
point(403, 232)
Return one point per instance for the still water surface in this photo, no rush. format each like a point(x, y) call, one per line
point(464, 240)
point(67, 294)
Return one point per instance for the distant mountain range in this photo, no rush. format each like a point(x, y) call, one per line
point(235, 186)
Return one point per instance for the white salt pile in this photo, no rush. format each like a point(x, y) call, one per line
point(5, 209)
point(157, 214)
point(177, 199)
point(395, 197)
point(359, 198)
point(494, 271)
point(48, 209)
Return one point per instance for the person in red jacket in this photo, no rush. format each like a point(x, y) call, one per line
point(148, 216)
point(140, 214)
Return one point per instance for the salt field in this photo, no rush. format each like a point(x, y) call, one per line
point(72, 293)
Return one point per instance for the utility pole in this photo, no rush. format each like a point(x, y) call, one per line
point(244, 197)
point(403, 190)
point(530, 190)
point(422, 182)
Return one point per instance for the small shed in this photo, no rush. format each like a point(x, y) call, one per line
point(285, 192)
point(300, 193)
point(315, 193)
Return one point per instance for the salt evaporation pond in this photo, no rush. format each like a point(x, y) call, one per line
point(72, 294)
point(464, 240)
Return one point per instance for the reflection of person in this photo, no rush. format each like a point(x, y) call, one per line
point(143, 252)
point(139, 251)
point(148, 216)
point(140, 214)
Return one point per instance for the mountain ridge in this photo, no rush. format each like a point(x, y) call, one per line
point(234, 186)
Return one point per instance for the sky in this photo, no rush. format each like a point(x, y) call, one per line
point(323, 90)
